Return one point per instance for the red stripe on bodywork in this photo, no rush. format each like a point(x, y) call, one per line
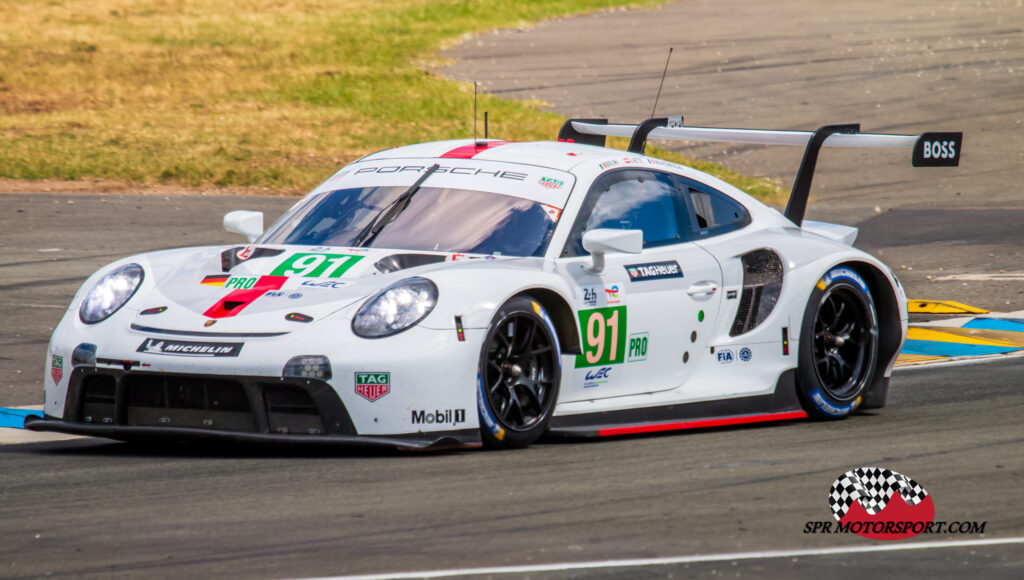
point(701, 424)
point(237, 300)
point(470, 151)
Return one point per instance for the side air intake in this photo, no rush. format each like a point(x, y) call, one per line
point(762, 283)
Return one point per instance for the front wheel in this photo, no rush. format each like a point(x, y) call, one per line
point(519, 374)
point(838, 345)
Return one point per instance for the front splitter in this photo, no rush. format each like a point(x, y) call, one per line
point(461, 439)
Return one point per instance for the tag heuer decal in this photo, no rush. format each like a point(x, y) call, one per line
point(372, 386)
point(57, 368)
point(654, 271)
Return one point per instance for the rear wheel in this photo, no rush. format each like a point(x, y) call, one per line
point(838, 345)
point(519, 374)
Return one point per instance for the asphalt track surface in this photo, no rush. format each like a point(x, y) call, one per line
point(91, 508)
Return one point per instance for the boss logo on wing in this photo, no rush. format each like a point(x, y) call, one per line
point(938, 150)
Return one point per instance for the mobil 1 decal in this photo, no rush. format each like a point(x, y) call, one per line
point(604, 336)
point(654, 271)
point(316, 265)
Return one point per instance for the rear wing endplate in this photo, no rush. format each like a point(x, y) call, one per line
point(929, 149)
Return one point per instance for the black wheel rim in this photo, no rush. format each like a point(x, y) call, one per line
point(843, 342)
point(520, 371)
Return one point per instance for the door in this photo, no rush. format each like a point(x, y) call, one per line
point(645, 318)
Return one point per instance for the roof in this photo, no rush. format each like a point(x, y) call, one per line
point(563, 156)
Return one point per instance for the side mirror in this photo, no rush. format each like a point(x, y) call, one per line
point(601, 241)
point(247, 223)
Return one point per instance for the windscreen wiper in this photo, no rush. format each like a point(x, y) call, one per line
point(392, 211)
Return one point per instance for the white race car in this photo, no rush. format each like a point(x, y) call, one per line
point(482, 292)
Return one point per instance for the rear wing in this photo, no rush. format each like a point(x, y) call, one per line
point(929, 149)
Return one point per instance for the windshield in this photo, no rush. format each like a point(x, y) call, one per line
point(436, 219)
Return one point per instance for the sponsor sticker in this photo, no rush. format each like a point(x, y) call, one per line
point(188, 348)
point(57, 368)
point(725, 356)
point(654, 271)
point(372, 386)
point(596, 377)
point(497, 430)
point(551, 183)
point(827, 406)
point(745, 354)
point(246, 252)
point(439, 417)
point(637, 347)
point(552, 212)
point(328, 284)
point(613, 294)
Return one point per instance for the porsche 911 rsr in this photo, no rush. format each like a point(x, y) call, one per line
point(484, 292)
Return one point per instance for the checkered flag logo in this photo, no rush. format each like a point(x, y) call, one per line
point(873, 487)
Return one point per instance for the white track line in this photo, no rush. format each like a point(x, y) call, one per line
point(680, 559)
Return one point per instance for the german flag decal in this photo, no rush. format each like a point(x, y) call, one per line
point(215, 280)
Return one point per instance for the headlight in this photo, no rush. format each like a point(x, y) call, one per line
point(110, 293)
point(395, 308)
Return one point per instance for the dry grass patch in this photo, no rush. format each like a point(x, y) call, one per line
point(237, 93)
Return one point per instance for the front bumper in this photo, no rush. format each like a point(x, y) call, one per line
point(138, 406)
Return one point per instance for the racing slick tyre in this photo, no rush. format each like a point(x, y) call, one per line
point(519, 374)
point(838, 345)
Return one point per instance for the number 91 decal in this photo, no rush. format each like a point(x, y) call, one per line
point(316, 265)
point(604, 336)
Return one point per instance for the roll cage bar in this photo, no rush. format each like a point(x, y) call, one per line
point(929, 149)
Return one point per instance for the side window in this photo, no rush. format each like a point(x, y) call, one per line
point(632, 200)
point(714, 212)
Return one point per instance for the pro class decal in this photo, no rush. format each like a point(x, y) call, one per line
point(654, 271)
point(184, 348)
point(316, 265)
point(637, 347)
point(604, 336)
point(372, 386)
point(247, 291)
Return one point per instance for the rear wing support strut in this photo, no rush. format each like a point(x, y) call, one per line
point(929, 149)
point(797, 205)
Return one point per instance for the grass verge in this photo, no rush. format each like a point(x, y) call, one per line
point(248, 93)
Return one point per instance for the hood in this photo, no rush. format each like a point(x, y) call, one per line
point(265, 289)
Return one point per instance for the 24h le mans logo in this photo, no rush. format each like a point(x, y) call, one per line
point(881, 504)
